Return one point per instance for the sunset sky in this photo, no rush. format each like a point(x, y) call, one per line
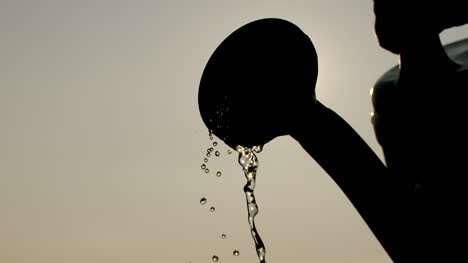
point(101, 140)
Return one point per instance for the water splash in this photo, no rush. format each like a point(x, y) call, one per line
point(248, 161)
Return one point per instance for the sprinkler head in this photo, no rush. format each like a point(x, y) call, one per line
point(258, 83)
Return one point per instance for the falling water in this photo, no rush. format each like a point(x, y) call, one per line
point(203, 201)
point(249, 163)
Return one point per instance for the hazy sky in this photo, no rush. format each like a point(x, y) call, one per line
point(101, 140)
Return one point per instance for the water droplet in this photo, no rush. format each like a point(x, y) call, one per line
point(217, 153)
point(215, 143)
point(218, 173)
point(257, 149)
point(205, 160)
point(223, 236)
point(215, 258)
point(210, 149)
point(208, 155)
point(207, 170)
point(203, 201)
point(212, 209)
point(236, 252)
point(203, 166)
point(229, 151)
point(211, 137)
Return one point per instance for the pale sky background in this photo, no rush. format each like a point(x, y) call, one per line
point(101, 140)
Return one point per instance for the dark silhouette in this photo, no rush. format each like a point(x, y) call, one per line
point(418, 120)
point(259, 84)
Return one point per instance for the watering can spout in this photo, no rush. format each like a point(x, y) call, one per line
point(257, 81)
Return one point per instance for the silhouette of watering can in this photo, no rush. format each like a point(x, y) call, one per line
point(260, 83)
